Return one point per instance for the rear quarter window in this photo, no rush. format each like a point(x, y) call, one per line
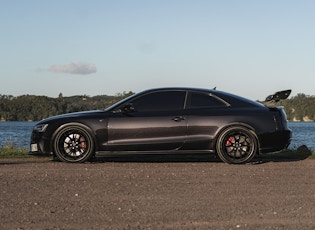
point(238, 101)
point(203, 100)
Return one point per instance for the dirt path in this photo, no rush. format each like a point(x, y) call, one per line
point(156, 193)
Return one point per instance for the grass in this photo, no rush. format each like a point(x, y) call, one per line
point(302, 152)
point(9, 151)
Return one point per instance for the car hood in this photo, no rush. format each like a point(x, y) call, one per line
point(76, 114)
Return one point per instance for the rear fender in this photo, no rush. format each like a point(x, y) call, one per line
point(243, 125)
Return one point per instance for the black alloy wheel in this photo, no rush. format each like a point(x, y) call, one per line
point(236, 145)
point(73, 143)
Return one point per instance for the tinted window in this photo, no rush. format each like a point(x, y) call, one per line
point(160, 101)
point(200, 100)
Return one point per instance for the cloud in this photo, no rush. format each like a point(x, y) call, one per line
point(74, 68)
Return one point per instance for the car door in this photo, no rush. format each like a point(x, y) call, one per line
point(153, 121)
point(204, 115)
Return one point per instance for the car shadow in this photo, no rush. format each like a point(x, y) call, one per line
point(195, 158)
point(157, 158)
point(302, 153)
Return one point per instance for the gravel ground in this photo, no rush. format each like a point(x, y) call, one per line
point(156, 192)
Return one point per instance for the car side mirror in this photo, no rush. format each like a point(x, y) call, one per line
point(128, 108)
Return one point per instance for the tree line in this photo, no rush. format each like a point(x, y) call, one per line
point(34, 108)
point(299, 108)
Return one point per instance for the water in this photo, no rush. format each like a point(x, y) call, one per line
point(303, 133)
point(19, 134)
point(16, 133)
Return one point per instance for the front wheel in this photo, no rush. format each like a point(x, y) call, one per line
point(236, 145)
point(73, 143)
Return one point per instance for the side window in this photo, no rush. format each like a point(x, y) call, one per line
point(160, 101)
point(200, 100)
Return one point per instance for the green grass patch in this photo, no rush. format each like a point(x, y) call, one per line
point(9, 151)
point(313, 155)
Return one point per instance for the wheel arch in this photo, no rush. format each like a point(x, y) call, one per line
point(82, 125)
point(238, 124)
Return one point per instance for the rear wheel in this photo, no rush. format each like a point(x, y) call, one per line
point(236, 145)
point(73, 143)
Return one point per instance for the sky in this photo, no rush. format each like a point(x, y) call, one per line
point(252, 48)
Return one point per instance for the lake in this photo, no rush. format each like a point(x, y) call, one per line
point(19, 134)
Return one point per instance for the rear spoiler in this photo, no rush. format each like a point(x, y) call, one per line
point(281, 95)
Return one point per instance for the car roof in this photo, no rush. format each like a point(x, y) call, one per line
point(232, 99)
point(179, 88)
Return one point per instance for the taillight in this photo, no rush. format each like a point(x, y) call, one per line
point(279, 117)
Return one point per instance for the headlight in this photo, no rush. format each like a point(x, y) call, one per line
point(40, 128)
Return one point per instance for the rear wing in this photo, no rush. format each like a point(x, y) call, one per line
point(281, 95)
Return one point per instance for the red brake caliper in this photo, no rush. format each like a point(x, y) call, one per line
point(82, 143)
point(229, 141)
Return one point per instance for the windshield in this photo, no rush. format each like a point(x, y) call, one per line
point(113, 106)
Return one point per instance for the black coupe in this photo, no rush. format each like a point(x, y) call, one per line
point(168, 120)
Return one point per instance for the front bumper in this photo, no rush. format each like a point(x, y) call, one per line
point(39, 144)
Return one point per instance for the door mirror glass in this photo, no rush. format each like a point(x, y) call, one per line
point(128, 108)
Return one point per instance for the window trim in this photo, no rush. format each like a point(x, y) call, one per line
point(161, 91)
point(188, 102)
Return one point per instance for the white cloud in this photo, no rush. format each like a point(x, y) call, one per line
point(74, 68)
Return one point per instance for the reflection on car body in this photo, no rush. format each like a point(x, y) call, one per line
point(168, 120)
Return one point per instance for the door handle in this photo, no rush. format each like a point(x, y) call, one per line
point(178, 118)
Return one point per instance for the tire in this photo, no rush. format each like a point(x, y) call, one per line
point(236, 145)
point(73, 143)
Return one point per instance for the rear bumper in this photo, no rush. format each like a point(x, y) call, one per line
point(277, 141)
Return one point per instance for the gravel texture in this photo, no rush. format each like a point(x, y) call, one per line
point(153, 192)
